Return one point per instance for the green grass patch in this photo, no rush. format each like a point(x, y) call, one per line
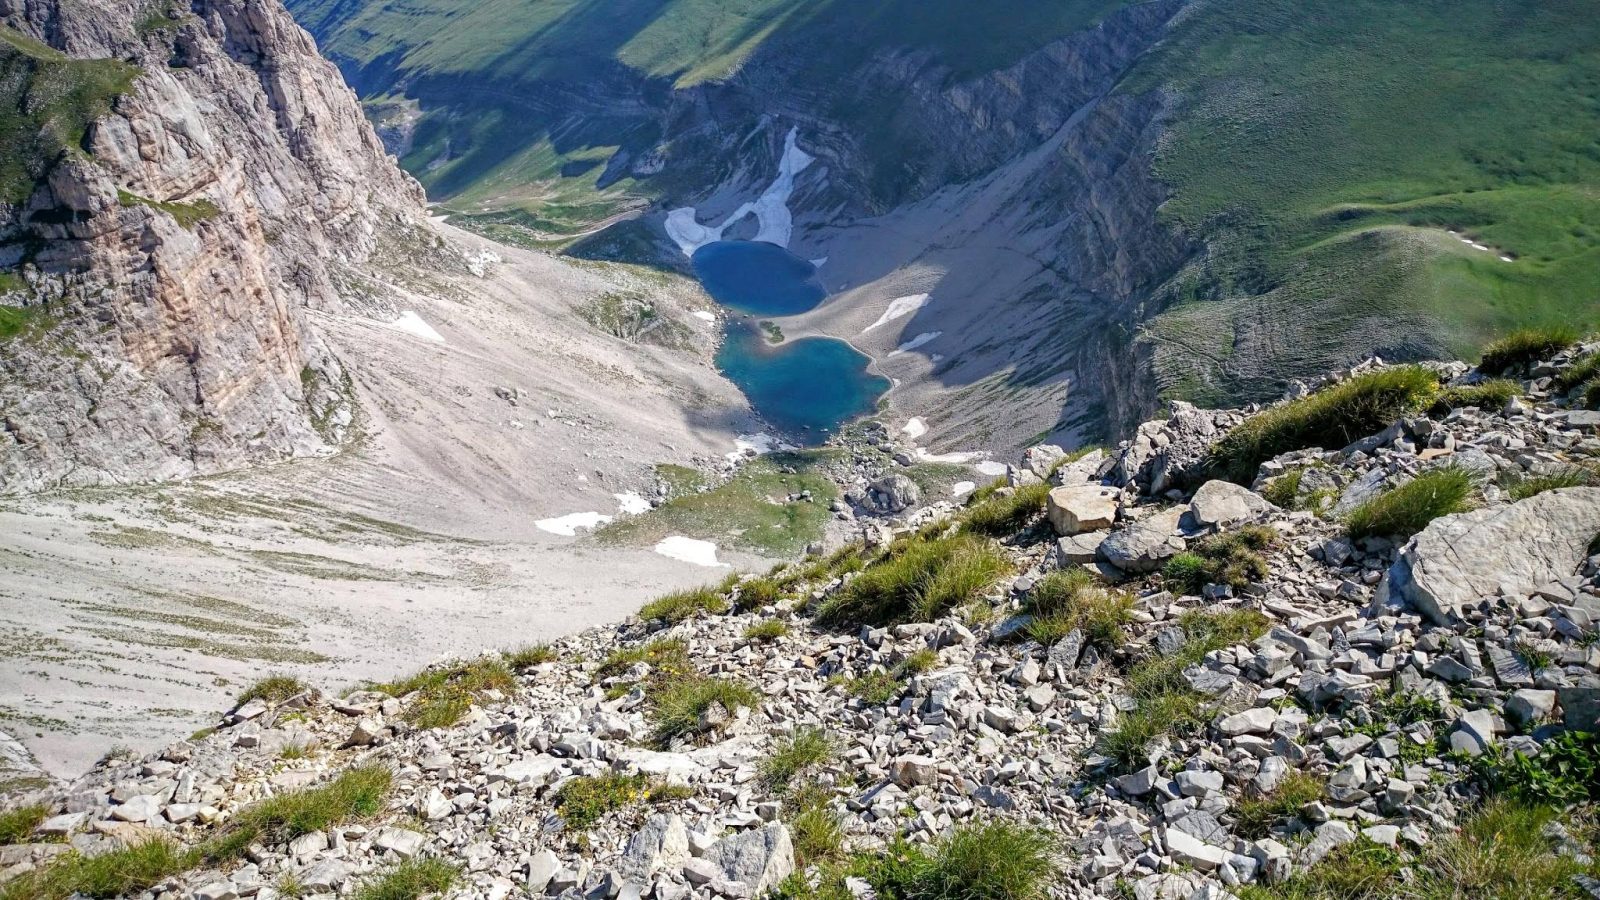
point(1586, 368)
point(680, 606)
point(445, 693)
point(1405, 510)
point(1071, 599)
point(1526, 486)
point(583, 801)
point(667, 657)
point(1331, 418)
point(116, 873)
point(524, 658)
point(273, 689)
point(1255, 817)
point(760, 593)
point(411, 880)
point(917, 580)
point(1232, 558)
point(807, 749)
point(1565, 770)
point(17, 825)
point(1490, 396)
point(1165, 704)
point(998, 514)
point(751, 510)
point(815, 830)
point(993, 861)
point(357, 793)
point(187, 215)
point(766, 632)
point(1525, 346)
point(679, 706)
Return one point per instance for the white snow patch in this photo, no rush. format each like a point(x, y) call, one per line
point(960, 457)
point(900, 306)
point(962, 488)
point(916, 342)
point(412, 324)
point(775, 224)
point(705, 316)
point(746, 444)
point(819, 262)
point(569, 524)
point(689, 550)
point(914, 428)
point(992, 468)
point(631, 503)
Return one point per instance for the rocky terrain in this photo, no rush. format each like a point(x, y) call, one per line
point(1191, 687)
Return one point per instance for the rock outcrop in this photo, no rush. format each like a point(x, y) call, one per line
point(162, 266)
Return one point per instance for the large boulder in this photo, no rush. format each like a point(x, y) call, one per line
point(1459, 560)
point(1088, 507)
point(1144, 546)
point(758, 859)
point(892, 494)
point(662, 843)
point(1218, 504)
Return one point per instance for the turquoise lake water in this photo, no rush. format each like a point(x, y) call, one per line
point(804, 388)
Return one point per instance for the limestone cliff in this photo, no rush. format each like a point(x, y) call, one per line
point(157, 255)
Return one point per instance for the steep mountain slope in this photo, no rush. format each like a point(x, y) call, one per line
point(1107, 202)
point(180, 182)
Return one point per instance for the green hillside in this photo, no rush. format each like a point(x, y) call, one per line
point(1324, 148)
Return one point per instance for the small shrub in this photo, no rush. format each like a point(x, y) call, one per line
point(273, 689)
point(583, 801)
point(1232, 558)
point(1407, 509)
point(666, 793)
point(1258, 815)
point(1529, 345)
point(445, 693)
point(1491, 396)
point(681, 605)
point(767, 631)
point(680, 704)
point(117, 873)
point(807, 749)
point(919, 582)
point(1002, 515)
point(411, 880)
point(17, 825)
point(1075, 599)
point(530, 656)
point(1332, 418)
point(1565, 770)
point(357, 793)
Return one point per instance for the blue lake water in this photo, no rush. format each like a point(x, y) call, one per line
point(805, 388)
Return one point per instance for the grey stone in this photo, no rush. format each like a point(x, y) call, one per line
point(759, 858)
point(1075, 510)
point(661, 843)
point(1218, 504)
point(1530, 707)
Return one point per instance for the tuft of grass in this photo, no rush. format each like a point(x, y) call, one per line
point(1407, 509)
point(357, 793)
point(875, 688)
point(1526, 346)
point(816, 833)
point(760, 593)
point(1331, 418)
point(993, 861)
point(1284, 490)
point(806, 749)
point(679, 704)
point(1499, 852)
point(1256, 816)
point(1572, 476)
point(1165, 704)
point(273, 689)
point(917, 581)
point(1489, 395)
point(680, 606)
point(1232, 558)
point(667, 657)
point(1075, 599)
point(532, 655)
point(117, 873)
point(17, 825)
point(411, 880)
point(445, 693)
point(1591, 394)
point(187, 215)
point(583, 801)
point(1584, 369)
point(767, 631)
point(1002, 515)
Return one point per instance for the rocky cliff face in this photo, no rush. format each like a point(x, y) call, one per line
point(160, 268)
